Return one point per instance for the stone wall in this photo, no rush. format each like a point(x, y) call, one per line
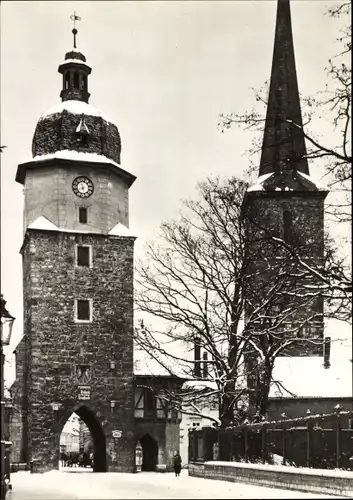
point(57, 344)
point(339, 483)
point(265, 212)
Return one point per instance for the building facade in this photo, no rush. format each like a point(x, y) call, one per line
point(285, 202)
point(76, 355)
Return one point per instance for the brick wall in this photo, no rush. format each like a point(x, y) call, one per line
point(56, 344)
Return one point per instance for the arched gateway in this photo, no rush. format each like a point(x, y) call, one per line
point(97, 436)
point(77, 351)
point(149, 453)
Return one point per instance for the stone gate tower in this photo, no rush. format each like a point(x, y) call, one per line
point(77, 351)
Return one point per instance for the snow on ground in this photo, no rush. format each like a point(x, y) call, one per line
point(87, 485)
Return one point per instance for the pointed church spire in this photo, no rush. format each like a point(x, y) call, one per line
point(283, 148)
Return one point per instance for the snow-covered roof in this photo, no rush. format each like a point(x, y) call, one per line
point(319, 187)
point(120, 230)
point(199, 384)
point(82, 126)
point(74, 61)
point(259, 184)
point(77, 108)
point(69, 154)
point(144, 364)
point(306, 377)
point(43, 223)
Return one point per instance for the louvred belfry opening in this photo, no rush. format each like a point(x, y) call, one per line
point(75, 73)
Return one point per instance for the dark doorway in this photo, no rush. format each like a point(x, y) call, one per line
point(98, 438)
point(149, 453)
point(91, 446)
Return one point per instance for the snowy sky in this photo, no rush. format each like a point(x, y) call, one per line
point(163, 71)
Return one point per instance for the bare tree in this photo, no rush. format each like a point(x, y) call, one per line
point(197, 287)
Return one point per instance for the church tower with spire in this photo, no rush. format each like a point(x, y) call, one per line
point(76, 355)
point(285, 201)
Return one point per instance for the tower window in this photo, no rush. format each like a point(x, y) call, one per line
point(327, 349)
point(82, 139)
point(83, 256)
point(83, 310)
point(197, 358)
point(204, 367)
point(287, 226)
point(76, 81)
point(82, 215)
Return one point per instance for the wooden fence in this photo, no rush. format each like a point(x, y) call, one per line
point(318, 441)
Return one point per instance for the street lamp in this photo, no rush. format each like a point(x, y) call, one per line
point(6, 329)
point(6, 323)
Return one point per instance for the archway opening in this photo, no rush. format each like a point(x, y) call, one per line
point(82, 443)
point(149, 453)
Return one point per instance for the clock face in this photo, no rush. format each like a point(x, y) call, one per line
point(82, 187)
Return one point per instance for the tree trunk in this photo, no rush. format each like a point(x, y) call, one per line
point(264, 376)
point(226, 414)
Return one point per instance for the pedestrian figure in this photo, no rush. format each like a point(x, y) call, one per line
point(177, 464)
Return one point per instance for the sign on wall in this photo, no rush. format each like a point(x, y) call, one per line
point(84, 392)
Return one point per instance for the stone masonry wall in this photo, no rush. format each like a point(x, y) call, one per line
point(308, 232)
point(339, 483)
point(57, 344)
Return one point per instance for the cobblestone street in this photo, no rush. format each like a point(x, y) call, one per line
point(80, 484)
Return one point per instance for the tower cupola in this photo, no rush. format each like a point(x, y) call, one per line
point(75, 73)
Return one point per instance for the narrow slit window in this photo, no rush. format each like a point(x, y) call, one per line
point(83, 256)
point(205, 367)
point(327, 349)
point(287, 225)
point(82, 215)
point(83, 310)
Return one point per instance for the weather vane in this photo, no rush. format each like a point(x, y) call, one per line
point(75, 18)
